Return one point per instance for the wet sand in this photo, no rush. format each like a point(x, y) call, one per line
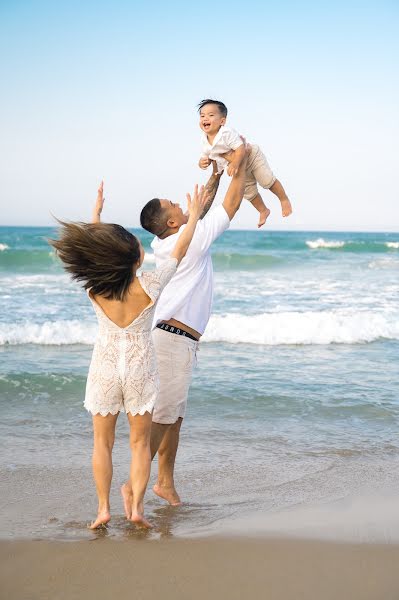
point(232, 568)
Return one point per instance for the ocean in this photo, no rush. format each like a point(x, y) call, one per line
point(294, 403)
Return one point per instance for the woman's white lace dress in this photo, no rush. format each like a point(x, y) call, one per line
point(123, 372)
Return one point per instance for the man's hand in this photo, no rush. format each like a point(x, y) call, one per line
point(196, 203)
point(215, 168)
point(204, 162)
point(96, 218)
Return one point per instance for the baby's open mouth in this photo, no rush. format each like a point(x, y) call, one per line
point(206, 125)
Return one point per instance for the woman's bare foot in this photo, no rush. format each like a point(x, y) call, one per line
point(139, 520)
point(263, 216)
point(167, 493)
point(286, 207)
point(103, 518)
point(127, 497)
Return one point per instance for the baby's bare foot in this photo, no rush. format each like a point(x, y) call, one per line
point(103, 518)
point(286, 207)
point(167, 493)
point(127, 497)
point(263, 216)
point(139, 520)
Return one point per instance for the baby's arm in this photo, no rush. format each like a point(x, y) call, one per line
point(234, 157)
point(234, 164)
point(235, 142)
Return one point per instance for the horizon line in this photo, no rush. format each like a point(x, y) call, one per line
point(312, 229)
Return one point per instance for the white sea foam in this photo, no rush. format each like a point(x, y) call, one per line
point(60, 282)
point(394, 245)
point(321, 243)
point(388, 262)
point(55, 333)
point(3, 247)
point(269, 329)
point(303, 328)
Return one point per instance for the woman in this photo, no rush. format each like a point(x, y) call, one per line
point(122, 376)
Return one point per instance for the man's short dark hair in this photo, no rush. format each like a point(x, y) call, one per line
point(222, 107)
point(153, 217)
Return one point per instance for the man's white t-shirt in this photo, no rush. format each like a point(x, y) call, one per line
point(225, 140)
point(189, 294)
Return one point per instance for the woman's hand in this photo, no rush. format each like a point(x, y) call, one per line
point(99, 204)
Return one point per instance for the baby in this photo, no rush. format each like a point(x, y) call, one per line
point(219, 140)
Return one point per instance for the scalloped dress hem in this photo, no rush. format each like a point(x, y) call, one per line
point(141, 411)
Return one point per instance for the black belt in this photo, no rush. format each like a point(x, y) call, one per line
point(176, 330)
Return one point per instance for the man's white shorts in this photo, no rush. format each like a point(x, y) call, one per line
point(176, 358)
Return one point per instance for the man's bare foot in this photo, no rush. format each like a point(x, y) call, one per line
point(103, 518)
point(286, 207)
point(167, 493)
point(263, 216)
point(140, 521)
point(127, 497)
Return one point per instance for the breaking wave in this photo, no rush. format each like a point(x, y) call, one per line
point(352, 245)
point(303, 328)
point(321, 243)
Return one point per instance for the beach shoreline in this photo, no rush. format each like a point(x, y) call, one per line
point(42, 503)
point(203, 568)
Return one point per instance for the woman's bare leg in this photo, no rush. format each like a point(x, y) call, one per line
point(140, 434)
point(104, 436)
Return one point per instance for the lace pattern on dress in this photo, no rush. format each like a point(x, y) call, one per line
point(123, 373)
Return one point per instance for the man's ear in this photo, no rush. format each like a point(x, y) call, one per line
point(171, 223)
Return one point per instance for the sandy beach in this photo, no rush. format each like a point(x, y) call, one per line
point(231, 568)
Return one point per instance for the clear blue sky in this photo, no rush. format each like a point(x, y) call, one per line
point(109, 89)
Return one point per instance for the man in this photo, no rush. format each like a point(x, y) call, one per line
point(181, 317)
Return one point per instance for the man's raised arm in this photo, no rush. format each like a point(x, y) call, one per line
point(211, 187)
point(235, 192)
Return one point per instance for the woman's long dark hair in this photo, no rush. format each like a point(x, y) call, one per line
point(101, 255)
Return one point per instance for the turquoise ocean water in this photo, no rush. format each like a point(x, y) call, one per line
point(295, 398)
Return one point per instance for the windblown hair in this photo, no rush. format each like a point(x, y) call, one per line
point(153, 217)
point(222, 107)
point(101, 255)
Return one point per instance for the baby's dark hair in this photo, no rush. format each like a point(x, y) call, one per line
point(222, 107)
point(101, 255)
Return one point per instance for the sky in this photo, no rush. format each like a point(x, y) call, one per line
point(108, 90)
